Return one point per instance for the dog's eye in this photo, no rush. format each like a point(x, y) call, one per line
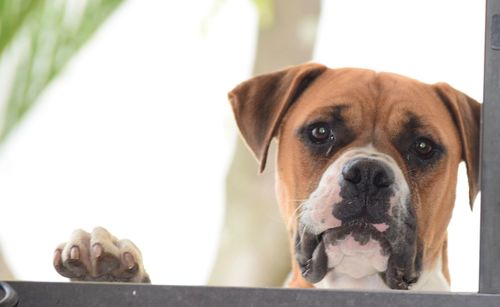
point(321, 133)
point(424, 148)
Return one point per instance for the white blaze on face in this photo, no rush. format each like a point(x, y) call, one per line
point(317, 210)
point(348, 257)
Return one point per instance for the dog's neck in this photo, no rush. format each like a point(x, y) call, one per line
point(431, 279)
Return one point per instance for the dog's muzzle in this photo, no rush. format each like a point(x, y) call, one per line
point(360, 222)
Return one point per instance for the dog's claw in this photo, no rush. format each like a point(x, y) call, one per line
point(97, 251)
point(74, 253)
point(129, 261)
point(57, 258)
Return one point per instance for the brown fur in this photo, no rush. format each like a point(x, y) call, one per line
point(278, 104)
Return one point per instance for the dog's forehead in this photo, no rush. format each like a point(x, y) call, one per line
point(366, 97)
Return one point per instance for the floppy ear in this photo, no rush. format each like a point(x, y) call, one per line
point(466, 113)
point(259, 104)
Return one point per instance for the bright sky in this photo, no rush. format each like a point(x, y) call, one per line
point(137, 133)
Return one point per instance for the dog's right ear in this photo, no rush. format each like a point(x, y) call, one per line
point(259, 104)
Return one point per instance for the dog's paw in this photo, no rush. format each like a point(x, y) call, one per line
point(99, 256)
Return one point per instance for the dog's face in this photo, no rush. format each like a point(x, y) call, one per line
point(366, 169)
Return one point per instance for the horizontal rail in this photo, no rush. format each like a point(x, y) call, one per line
point(42, 294)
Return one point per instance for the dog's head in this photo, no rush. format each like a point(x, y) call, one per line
point(367, 165)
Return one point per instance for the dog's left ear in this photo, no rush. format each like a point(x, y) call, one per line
point(466, 113)
point(259, 104)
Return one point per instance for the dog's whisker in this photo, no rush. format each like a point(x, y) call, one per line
point(295, 214)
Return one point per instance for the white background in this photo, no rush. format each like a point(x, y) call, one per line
point(136, 135)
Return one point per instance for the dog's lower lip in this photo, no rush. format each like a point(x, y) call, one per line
point(361, 231)
point(311, 253)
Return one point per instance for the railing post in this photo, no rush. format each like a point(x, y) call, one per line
point(489, 268)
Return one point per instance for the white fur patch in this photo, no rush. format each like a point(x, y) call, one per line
point(350, 258)
point(430, 280)
point(334, 280)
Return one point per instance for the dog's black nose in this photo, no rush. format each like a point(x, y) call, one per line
point(365, 191)
point(368, 174)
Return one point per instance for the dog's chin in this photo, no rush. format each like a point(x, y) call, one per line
point(356, 249)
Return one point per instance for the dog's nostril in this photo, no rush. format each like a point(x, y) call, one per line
point(352, 174)
point(382, 179)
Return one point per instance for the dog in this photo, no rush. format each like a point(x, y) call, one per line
point(366, 175)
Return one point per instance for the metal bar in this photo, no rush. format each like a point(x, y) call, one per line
point(489, 270)
point(104, 294)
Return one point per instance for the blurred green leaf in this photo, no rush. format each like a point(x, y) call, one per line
point(265, 8)
point(37, 39)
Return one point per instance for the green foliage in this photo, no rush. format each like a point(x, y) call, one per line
point(37, 39)
point(265, 8)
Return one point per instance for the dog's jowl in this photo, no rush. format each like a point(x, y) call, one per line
point(366, 171)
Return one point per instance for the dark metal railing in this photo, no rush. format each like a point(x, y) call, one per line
point(489, 268)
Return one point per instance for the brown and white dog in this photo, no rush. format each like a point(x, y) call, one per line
point(366, 175)
point(366, 171)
